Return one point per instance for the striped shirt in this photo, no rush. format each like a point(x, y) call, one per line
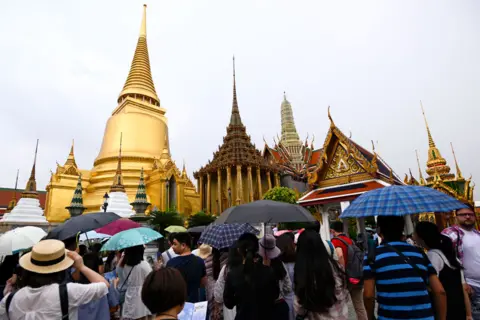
point(401, 291)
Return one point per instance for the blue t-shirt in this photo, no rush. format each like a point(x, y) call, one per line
point(193, 270)
point(401, 290)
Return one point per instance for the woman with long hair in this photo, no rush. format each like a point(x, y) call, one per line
point(234, 259)
point(132, 271)
point(252, 286)
point(442, 255)
point(320, 282)
point(286, 244)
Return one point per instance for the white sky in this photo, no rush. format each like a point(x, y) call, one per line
point(63, 64)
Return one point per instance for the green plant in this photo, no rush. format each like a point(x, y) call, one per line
point(282, 194)
point(200, 219)
point(161, 220)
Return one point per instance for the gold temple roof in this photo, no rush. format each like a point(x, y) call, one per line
point(139, 82)
point(237, 148)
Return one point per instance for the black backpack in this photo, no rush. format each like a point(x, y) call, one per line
point(354, 266)
point(62, 290)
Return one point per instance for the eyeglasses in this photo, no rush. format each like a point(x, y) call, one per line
point(466, 215)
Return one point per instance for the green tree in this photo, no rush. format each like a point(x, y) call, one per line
point(200, 219)
point(161, 220)
point(282, 194)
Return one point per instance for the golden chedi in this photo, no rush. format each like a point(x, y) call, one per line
point(140, 119)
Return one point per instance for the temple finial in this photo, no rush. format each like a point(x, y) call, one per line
point(139, 84)
point(235, 117)
point(422, 181)
point(284, 95)
point(13, 202)
point(332, 124)
point(71, 157)
point(431, 143)
point(31, 188)
point(459, 173)
point(373, 146)
point(143, 27)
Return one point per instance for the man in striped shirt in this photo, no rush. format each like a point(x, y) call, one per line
point(401, 288)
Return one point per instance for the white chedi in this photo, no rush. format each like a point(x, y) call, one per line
point(118, 203)
point(27, 211)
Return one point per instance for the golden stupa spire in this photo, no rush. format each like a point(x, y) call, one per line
point(117, 185)
point(459, 173)
point(31, 187)
point(139, 84)
point(13, 202)
point(71, 156)
point(431, 143)
point(422, 181)
point(436, 164)
point(235, 119)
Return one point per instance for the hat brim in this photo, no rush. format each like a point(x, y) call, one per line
point(26, 263)
point(270, 254)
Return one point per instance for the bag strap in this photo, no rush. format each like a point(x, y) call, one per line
point(63, 300)
point(169, 255)
point(344, 242)
point(124, 282)
point(332, 248)
point(407, 260)
point(8, 302)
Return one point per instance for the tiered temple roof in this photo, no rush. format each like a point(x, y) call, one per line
point(237, 148)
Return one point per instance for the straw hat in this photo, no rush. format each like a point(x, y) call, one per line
point(267, 246)
point(47, 256)
point(204, 251)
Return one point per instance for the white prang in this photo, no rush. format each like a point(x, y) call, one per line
point(27, 210)
point(118, 203)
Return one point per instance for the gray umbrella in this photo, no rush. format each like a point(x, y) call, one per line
point(265, 211)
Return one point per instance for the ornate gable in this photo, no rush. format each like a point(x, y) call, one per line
point(342, 164)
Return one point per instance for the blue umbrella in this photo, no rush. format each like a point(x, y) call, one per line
point(400, 201)
point(131, 238)
point(222, 236)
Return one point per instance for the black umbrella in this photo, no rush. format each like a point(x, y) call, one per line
point(197, 229)
point(265, 211)
point(80, 224)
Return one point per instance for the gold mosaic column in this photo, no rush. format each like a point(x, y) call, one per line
point(277, 179)
point(269, 179)
point(209, 193)
point(250, 183)
point(200, 190)
point(219, 190)
point(259, 182)
point(229, 185)
point(239, 184)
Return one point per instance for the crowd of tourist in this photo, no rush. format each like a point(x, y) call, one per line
point(283, 278)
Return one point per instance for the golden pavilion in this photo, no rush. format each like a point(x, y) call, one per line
point(217, 185)
point(440, 178)
point(140, 119)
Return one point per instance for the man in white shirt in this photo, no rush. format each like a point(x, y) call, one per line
point(169, 254)
point(466, 240)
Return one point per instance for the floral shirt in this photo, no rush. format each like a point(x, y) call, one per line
point(455, 233)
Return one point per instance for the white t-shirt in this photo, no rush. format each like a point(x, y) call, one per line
point(167, 255)
point(471, 257)
point(438, 261)
point(44, 303)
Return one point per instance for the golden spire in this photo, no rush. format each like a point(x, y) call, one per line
point(139, 82)
point(31, 187)
point(235, 119)
point(117, 185)
point(13, 202)
point(459, 173)
point(431, 143)
point(71, 156)
point(422, 181)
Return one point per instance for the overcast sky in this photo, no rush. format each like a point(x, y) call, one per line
point(63, 64)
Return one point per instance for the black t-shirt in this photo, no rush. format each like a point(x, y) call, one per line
point(193, 270)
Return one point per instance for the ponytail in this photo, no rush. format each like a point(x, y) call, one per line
point(248, 247)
